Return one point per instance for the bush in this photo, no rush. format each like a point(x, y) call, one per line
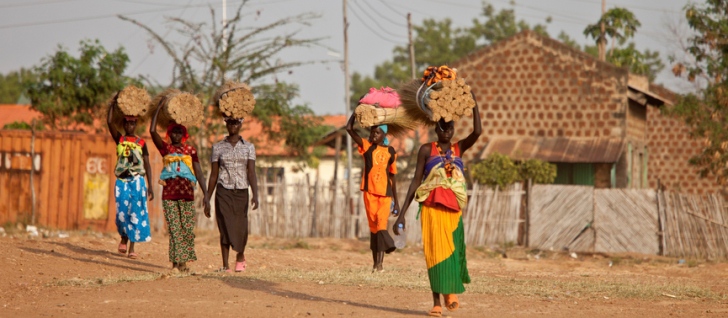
point(502, 171)
point(495, 170)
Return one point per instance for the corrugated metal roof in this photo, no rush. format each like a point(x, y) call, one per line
point(557, 149)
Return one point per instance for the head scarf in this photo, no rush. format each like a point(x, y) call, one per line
point(171, 127)
point(385, 128)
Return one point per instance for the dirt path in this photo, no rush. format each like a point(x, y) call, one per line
point(83, 276)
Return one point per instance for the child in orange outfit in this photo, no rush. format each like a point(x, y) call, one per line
point(378, 187)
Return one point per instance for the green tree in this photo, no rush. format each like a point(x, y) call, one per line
point(500, 25)
point(241, 51)
point(439, 42)
point(69, 90)
point(619, 24)
point(12, 87)
point(706, 111)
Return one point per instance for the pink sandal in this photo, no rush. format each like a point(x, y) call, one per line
point(240, 266)
point(122, 248)
point(133, 255)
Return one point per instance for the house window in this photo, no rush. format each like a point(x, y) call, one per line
point(574, 173)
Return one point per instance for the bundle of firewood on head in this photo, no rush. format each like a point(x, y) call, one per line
point(382, 107)
point(178, 108)
point(439, 94)
point(234, 100)
point(130, 102)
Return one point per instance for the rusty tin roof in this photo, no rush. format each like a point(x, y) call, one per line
point(557, 149)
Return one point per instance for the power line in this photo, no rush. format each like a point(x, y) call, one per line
point(391, 8)
point(30, 4)
point(372, 30)
point(103, 16)
point(375, 21)
point(385, 17)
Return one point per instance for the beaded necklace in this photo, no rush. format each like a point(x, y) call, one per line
point(446, 159)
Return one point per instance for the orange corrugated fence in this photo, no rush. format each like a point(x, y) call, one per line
point(73, 180)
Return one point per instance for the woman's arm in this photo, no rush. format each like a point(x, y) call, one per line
point(110, 121)
point(469, 141)
point(416, 181)
point(148, 169)
point(352, 132)
point(214, 171)
point(200, 179)
point(253, 180)
point(158, 141)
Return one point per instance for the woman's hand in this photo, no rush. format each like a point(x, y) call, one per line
point(400, 220)
point(150, 194)
point(254, 202)
point(207, 206)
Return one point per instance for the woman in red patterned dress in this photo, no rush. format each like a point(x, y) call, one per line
point(178, 196)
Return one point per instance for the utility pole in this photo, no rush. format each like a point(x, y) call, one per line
point(224, 25)
point(411, 46)
point(347, 111)
point(602, 37)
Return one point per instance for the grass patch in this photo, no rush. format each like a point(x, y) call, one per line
point(105, 281)
point(583, 287)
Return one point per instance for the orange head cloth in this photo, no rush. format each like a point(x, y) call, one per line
point(171, 127)
point(435, 74)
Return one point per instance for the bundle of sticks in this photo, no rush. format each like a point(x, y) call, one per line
point(130, 101)
point(396, 119)
point(178, 107)
point(446, 97)
point(235, 100)
point(133, 101)
point(449, 100)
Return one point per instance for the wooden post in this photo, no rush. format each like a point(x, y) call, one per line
point(32, 172)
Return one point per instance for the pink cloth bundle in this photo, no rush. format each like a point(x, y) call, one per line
point(384, 97)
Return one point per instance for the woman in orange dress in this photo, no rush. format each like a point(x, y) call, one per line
point(378, 188)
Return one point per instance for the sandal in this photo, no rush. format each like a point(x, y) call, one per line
point(133, 255)
point(435, 312)
point(451, 302)
point(122, 248)
point(240, 266)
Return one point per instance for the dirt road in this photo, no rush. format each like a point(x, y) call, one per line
point(82, 275)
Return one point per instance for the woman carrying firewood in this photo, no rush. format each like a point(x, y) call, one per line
point(378, 187)
point(178, 194)
point(232, 173)
point(440, 188)
point(131, 192)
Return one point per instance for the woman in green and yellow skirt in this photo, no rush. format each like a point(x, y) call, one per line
point(440, 188)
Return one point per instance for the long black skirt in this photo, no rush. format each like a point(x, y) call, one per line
point(231, 212)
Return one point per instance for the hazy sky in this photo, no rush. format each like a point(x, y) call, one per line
point(33, 29)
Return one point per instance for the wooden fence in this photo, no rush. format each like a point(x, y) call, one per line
point(693, 226)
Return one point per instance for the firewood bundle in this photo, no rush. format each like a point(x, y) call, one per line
point(133, 101)
point(447, 97)
point(396, 119)
point(235, 100)
point(449, 100)
point(130, 101)
point(178, 107)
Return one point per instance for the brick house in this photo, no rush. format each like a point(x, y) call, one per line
point(598, 123)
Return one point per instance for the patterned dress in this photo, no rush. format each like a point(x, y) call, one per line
point(442, 197)
point(130, 191)
point(178, 199)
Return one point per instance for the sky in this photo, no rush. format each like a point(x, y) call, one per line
point(33, 29)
